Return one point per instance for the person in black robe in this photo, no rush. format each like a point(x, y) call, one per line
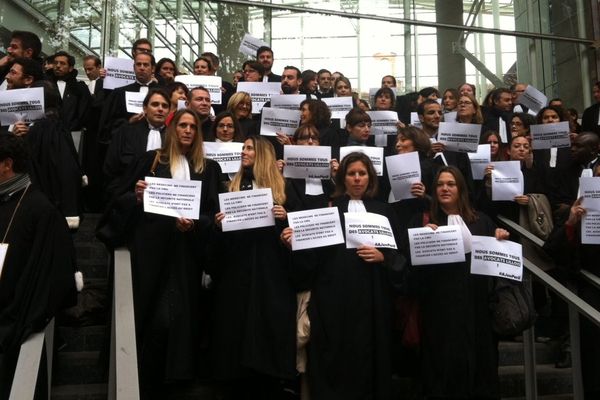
point(458, 346)
point(167, 256)
point(590, 120)
point(37, 272)
point(350, 309)
point(254, 330)
point(114, 113)
point(131, 140)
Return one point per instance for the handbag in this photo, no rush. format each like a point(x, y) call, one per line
point(539, 215)
point(512, 307)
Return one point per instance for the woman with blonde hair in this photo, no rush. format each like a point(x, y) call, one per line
point(254, 327)
point(240, 105)
point(167, 257)
point(468, 110)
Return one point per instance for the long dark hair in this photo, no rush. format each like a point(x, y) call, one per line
point(465, 209)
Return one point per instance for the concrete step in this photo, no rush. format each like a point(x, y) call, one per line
point(82, 338)
point(511, 353)
point(78, 368)
point(551, 380)
point(98, 391)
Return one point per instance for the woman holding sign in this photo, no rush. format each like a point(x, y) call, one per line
point(349, 350)
point(167, 256)
point(458, 345)
point(255, 301)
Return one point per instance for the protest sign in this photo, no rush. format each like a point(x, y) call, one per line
point(403, 171)
point(368, 229)
point(119, 72)
point(135, 102)
point(589, 188)
point(21, 105)
point(533, 99)
point(545, 136)
point(172, 197)
point(459, 137)
point(228, 155)
point(374, 153)
point(278, 120)
point(315, 228)
point(415, 121)
point(507, 180)
point(442, 246)
point(247, 209)
point(498, 258)
point(209, 82)
point(306, 162)
point(480, 160)
point(383, 122)
point(339, 106)
point(249, 45)
point(287, 101)
point(260, 93)
point(590, 228)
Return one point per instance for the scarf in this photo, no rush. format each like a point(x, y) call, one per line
point(13, 185)
point(180, 168)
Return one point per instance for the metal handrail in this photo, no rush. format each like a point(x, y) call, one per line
point(123, 370)
point(576, 306)
point(28, 364)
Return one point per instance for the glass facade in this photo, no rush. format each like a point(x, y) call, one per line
point(544, 42)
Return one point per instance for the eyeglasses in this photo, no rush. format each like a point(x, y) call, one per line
point(465, 103)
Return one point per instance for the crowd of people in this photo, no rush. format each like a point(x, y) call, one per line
point(222, 306)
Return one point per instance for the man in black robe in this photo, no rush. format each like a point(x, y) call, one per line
point(199, 101)
point(114, 113)
point(22, 44)
point(264, 55)
point(590, 120)
point(37, 271)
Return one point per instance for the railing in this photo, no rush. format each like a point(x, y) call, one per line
point(576, 306)
point(28, 364)
point(123, 370)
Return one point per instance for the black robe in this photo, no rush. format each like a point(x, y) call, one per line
point(350, 311)
point(37, 279)
point(167, 269)
point(590, 120)
point(75, 102)
point(255, 303)
point(458, 345)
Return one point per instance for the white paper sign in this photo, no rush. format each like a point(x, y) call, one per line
point(209, 82)
point(459, 137)
point(260, 93)
point(287, 101)
point(172, 197)
point(589, 188)
point(442, 246)
point(135, 102)
point(315, 228)
point(119, 72)
point(228, 155)
point(21, 105)
point(339, 106)
point(480, 160)
point(545, 136)
point(590, 228)
point(507, 180)
point(278, 120)
point(403, 171)
point(181, 104)
point(374, 153)
point(250, 45)
point(3, 250)
point(247, 209)
point(368, 229)
point(533, 99)
point(415, 121)
point(383, 122)
point(306, 162)
point(450, 116)
point(498, 258)
point(502, 130)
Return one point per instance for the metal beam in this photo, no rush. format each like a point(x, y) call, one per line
point(460, 49)
point(406, 21)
